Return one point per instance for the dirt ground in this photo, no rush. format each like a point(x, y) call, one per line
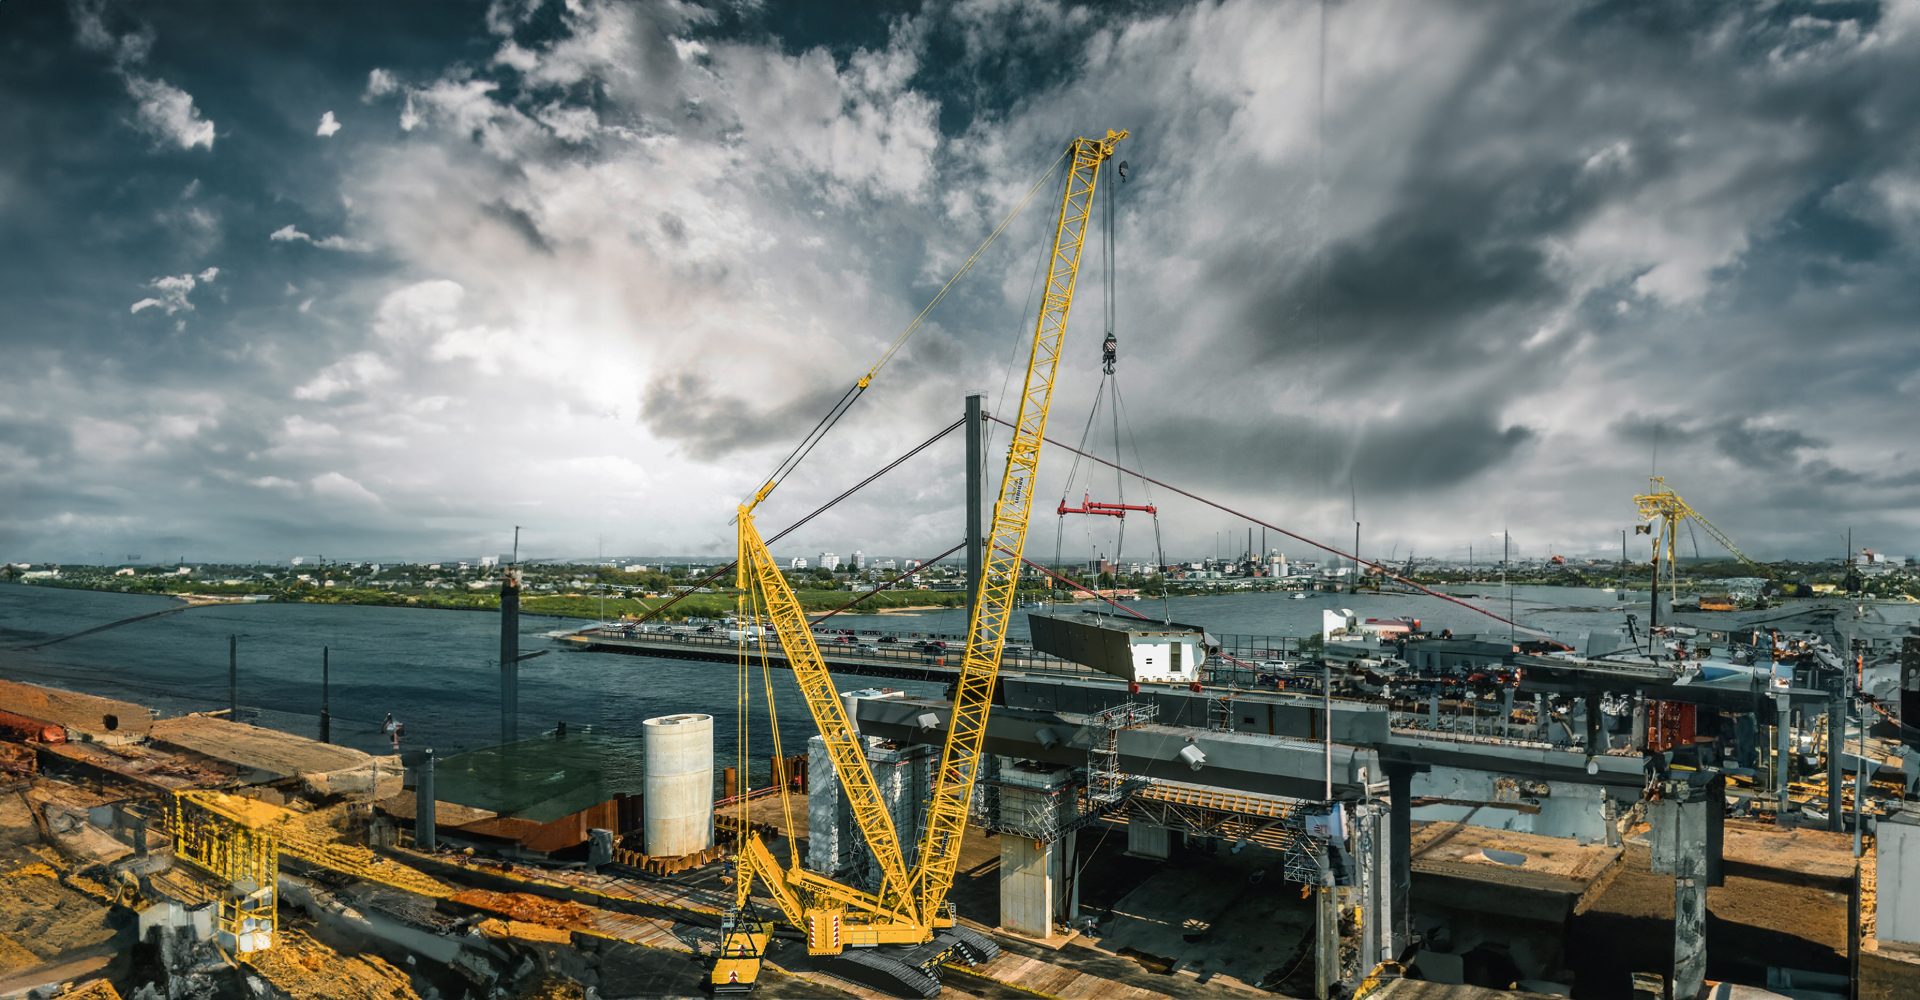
point(1756, 919)
point(42, 920)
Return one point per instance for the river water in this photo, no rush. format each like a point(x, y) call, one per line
point(437, 671)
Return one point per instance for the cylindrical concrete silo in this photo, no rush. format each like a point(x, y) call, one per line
point(679, 785)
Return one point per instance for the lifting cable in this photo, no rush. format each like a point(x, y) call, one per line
point(1382, 570)
point(694, 587)
point(859, 387)
point(924, 563)
point(1075, 584)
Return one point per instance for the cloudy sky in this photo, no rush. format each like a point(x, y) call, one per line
point(385, 280)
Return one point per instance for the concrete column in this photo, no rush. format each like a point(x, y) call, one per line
point(1400, 856)
point(678, 809)
point(1145, 840)
point(1066, 852)
point(1375, 859)
point(1836, 744)
point(1326, 925)
point(1640, 708)
point(424, 835)
point(1506, 711)
point(1783, 769)
point(1689, 937)
point(1026, 886)
point(1542, 719)
point(1594, 746)
point(1433, 711)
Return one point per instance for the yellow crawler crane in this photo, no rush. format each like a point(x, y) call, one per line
point(1661, 504)
point(910, 909)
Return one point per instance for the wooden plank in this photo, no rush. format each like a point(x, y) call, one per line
point(283, 755)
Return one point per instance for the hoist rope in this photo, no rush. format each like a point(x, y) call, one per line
point(1296, 536)
point(859, 387)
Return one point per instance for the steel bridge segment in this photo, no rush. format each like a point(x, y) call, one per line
point(1246, 762)
point(1276, 713)
point(1290, 765)
point(1557, 675)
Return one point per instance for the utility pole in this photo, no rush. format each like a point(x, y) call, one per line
point(1505, 541)
point(1860, 765)
point(510, 646)
point(976, 430)
point(326, 713)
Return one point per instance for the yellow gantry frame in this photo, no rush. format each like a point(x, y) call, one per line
point(1661, 503)
point(911, 905)
point(239, 849)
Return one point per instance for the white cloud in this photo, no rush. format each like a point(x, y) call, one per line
point(380, 83)
point(328, 126)
point(351, 373)
point(289, 234)
point(419, 312)
point(306, 305)
point(172, 291)
point(336, 487)
point(166, 113)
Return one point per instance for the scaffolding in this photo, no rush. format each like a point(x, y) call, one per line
point(1107, 784)
point(1220, 713)
point(233, 839)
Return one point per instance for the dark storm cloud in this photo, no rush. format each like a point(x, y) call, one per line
point(1764, 447)
point(616, 248)
point(712, 423)
point(41, 439)
point(1392, 457)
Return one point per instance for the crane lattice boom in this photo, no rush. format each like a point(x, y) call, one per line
point(993, 604)
point(911, 904)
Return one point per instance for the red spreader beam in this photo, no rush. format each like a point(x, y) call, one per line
point(1088, 505)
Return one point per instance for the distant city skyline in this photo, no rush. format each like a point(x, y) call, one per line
point(391, 279)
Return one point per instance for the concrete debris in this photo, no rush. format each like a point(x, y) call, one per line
point(301, 966)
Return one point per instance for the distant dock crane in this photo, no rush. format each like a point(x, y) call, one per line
point(1661, 505)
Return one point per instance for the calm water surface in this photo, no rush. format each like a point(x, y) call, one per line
point(437, 671)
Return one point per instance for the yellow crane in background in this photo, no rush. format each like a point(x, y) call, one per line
point(910, 906)
point(1661, 505)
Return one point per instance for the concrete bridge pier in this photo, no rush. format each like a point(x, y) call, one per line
point(1373, 854)
point(1783, 768)
point(1034, 892)
point(1686, 841)
point(1836, 744)
point(1399, 853)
